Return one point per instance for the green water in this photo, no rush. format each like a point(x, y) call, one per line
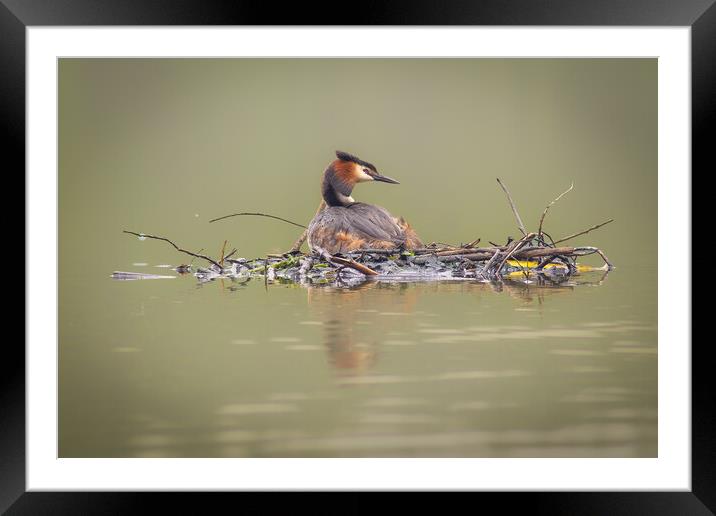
point(171, 368)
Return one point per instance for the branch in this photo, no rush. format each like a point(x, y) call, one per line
point(606, 260)
point(488, 265)
point(345, 262)
point(515, 248)
point(257, 215)
point(494, 253)
point(195, 255)
point(514, 208)
point(544, 213)
point(583, 232)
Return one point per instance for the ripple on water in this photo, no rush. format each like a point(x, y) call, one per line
point(288, 396)
point(635, 350)
point(623, 413)
point(397, 419)
point(243, 342)
point(495, 335)
point(375, 379)
point(394, 402)
point(599, 395)
point(235, 436)
point(589, 369)
point(466, 406)
point(471, 375)
point(439, 331)
point(576, 352)
point(151, 441)
point(303, 396)
point(392, 342)
point(241, 409)
point(598, 438)
point(470, 405)
point(449, 376)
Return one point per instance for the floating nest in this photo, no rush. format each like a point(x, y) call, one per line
point(533, 256)
point(528, 259)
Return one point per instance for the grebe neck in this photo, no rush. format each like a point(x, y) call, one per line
point(335, 191)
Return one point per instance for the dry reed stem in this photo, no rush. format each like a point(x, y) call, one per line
point(520, 225)
point(544, 213)
point(583, 232)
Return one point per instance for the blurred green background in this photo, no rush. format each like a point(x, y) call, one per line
point(163, 145)
point(173, 368)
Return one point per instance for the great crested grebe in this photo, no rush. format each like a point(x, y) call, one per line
point(346, 225)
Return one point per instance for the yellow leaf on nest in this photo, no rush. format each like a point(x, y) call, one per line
point(531, 264)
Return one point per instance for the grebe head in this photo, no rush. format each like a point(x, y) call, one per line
point(342, 175)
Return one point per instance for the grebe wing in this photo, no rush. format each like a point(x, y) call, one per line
point(372, 222)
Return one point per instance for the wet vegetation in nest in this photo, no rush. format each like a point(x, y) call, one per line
point(535, 257)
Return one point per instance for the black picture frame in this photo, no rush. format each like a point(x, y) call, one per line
point(17, 15)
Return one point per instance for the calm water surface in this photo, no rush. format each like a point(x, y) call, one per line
point(168, 368)
point(171, 368)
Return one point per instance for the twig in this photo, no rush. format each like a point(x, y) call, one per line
point(534, 252)
point(487, 253)
point(306, 265)
point(266, 269)
point(196, 255)
point(354, 265)
point(472, 256)
point(544, 213)
point(525, 272)
point(545, 234)
point(452, 252)
point(546, 260)
point(519, 243)
point(509, 251)
point(223, 250)
point(583, 232)
point(606, 260)
point(192, 260)
point(347, 262)
point(489, 263)
point(257, 215)
point(520, 225)
point(433, 245)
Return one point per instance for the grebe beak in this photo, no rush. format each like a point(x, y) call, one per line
point(385, 179)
